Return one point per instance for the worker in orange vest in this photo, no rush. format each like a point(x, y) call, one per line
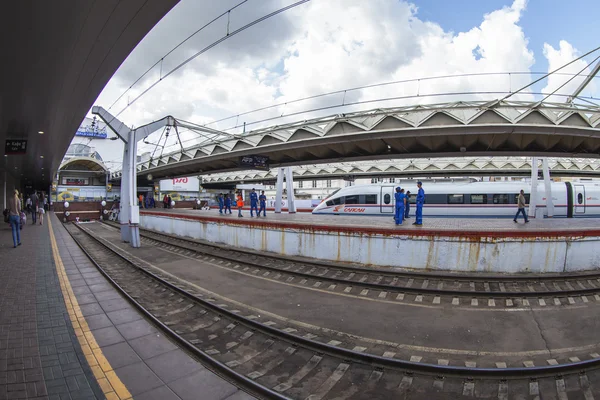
point(240, 203)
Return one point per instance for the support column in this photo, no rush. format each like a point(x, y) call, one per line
point(289, 180)
point(534, 183)
point(279, 190)
point(548, 188)
point(124, 200)
point(134, 217)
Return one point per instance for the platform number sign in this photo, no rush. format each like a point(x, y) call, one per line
point(15, 146)
point(255, 162)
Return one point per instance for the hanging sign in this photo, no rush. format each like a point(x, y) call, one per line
point(255, 162)
point(15, 146)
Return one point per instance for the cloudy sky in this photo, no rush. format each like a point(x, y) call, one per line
point(334, 45)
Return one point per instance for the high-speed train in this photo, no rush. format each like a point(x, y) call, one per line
point(464, 199)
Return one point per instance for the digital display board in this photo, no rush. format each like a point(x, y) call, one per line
point(15, 146)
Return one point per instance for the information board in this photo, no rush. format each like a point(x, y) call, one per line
point(255, 162)
point(15, 146)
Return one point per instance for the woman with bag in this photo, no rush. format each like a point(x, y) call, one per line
point(41, 210)
point(14, 216)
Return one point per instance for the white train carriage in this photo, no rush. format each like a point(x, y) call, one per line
point(470, 199)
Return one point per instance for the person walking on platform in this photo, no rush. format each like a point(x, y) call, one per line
point(420, 201)
point(28, 205)
point(253, 202)
point(221, 202)
point(165, 201)
point(407, 206)
point(263, 204)
point(34, 204)
point(169, 201)
point(40, 209)
point(400, 199)
point(521, 205)
point(240, 203)
point(14, 217)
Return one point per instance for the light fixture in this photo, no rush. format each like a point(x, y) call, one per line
point(41, 132)
point(41, 156)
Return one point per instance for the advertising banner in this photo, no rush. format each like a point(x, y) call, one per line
point(186, 184)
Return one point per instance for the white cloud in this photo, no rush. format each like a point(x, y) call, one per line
point(556, 59)
point(319, 47)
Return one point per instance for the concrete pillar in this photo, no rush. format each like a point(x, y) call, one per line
point(279, 189)
point(289, 180)
point(548, 188)
point(124, 200)
point(533, 191)
point(134, 217)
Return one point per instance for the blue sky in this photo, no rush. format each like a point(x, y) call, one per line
point(544, 21)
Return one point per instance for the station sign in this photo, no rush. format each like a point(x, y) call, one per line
point(255, 162)
point(91, 133)
point(15, 146)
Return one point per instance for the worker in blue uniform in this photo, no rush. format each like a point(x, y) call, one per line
point(400, 199)
point(407, 207)
point(263, 204)
point(420, 202)
point(253, 202)
point(221, 203)
point(227, 203)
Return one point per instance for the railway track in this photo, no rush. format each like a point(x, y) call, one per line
point(274, 362)
point(435, 288)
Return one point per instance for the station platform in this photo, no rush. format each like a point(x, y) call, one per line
point(66, 333)
point(486, 245)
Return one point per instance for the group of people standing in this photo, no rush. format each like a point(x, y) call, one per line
point(403, 205)
point(146, 201)
point(255, 201)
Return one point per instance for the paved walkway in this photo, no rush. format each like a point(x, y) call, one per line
point(40, 355)
point(66, 333)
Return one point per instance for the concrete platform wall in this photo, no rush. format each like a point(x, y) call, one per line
point(464, 253)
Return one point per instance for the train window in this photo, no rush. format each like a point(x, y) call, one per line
point(500, 199)
point(351, 199)
point(370, 199)
point(579, 198)
point(435, 199)
point(456, 199)
point(336, 201)
point(479, 199)
point(387, 198)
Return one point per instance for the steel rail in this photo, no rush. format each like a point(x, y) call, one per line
point(394, 274)
point(371, 359)
point(218, 367)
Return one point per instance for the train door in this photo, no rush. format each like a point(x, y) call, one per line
point(387, 199)
point(579, 199)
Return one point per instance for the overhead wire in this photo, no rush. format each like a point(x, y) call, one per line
point(175, 48)
point(378, 85)
point(210, 46)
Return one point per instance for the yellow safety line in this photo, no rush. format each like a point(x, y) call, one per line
point(108, 380)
